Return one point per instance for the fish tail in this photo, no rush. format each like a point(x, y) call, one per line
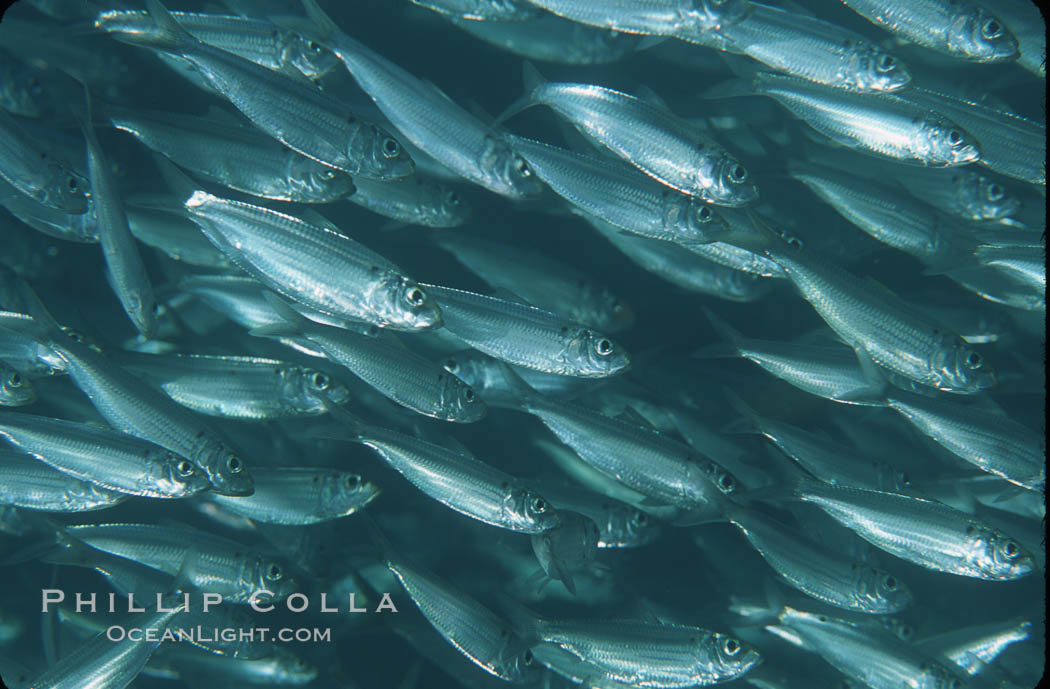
point(167, 34)
point(532, 79)
point(733, 88)
point(525, 623)
point(518, 387)
point(731, 339)
point(748, 230)
point(43, 326)
point(178, 181)
point(751, 421)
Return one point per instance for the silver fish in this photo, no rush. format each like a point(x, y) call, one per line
point(890, 331)
point(1010, 144)
point(275, 666)
point(384, 363)
point(236, 156)
point(541, 281)
point(239, 387)
point(620, 525)
point(113, 460)
point(102, 662)
point(550, 38)
point(648, 136)
point(655, 465)
point(831, 372)
point(685, 268)
point(211, 563)
point(125, 270)
point(416, 200)
point(15, 389)
point(527, 336)
point(1024, 21)
point(960, 28)
point(963, 193)
point(992, 442)
point(1021, 255)
point(618, 194)
point(21, 91)
point(475, 631)
point(315, 266)
point(973, 648)
point(457, 480)
point(25, 482)
point(922, 531)
point(813, 49)
point(256, 40)
point(818, 571)
point(33, 170)
point(71, 227)
point(660, 655)
point(876, 659)
point(822, 457)
point(686, 20)
point(293, 112)
point(481, 11)
point(132, 406)
point(567, 549)
point(174, 235)
point(886, 125)
point(427, 117)
point(485, 375)
point(300, 496)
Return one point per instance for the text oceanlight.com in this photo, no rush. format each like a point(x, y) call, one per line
point(203, 635)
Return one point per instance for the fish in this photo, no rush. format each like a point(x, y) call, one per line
point(315, 266)
point(818, 571)
point(32, 169)
point(277, 665)
point(888, 330)
point(386, 364)
point(568, 548)
point(973, 648)
point(527, 336)
point(15, 389)
point(481, 11)
point(961, 192)
point(209, 562)
point(456, 479)
point(299, 496)
point(293, 112)
point(425, 115)
point(222, 150)
point(27, 483)
point(485, 375)
point(112, 460)
point(805, 46)
point(827, 371)
point(877, 660)
point(646, 135)
point(417, 200)
point(252, 39)
point(125, 270)
point(541, 281)
point(925, 532)
point(993, 443)
point(664, 655)
point(619, 524)
point(71, 227)
point(655, 17)
point(886, 125)
point(131, 406)
point(240, 387)
point(965, 30)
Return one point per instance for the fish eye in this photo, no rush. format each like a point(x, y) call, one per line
point(604, 347)
point(1011, 550)
point(522, 167)
point(353, 481)
point(794, 242)
point(391, 147)
point(328, 174)
point(617, 306)
point(233, 463)
point(731, 647)
point(15, 380)
point(726, 483)
point(822, 618)
point(906, 632)
point(274, 572)
point(996, 192)
point(973, 360)
point(905, 480)
point(704, 214)
point(373, 330)
point(416, 297)
point(314, 46)
point(527, 657)
point(539, 505)
point(452, 198)
point(185, 468)
point(321, 381)
point(955, 137)
point(451, 365)
point(72, 183)
point(889, 582)
point(738, 173)
point(955, 683)
point(640, 519)
point(886, 63)
point(991, 29)
point(469, 395)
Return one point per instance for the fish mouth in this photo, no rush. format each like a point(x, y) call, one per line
point(238, 486)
